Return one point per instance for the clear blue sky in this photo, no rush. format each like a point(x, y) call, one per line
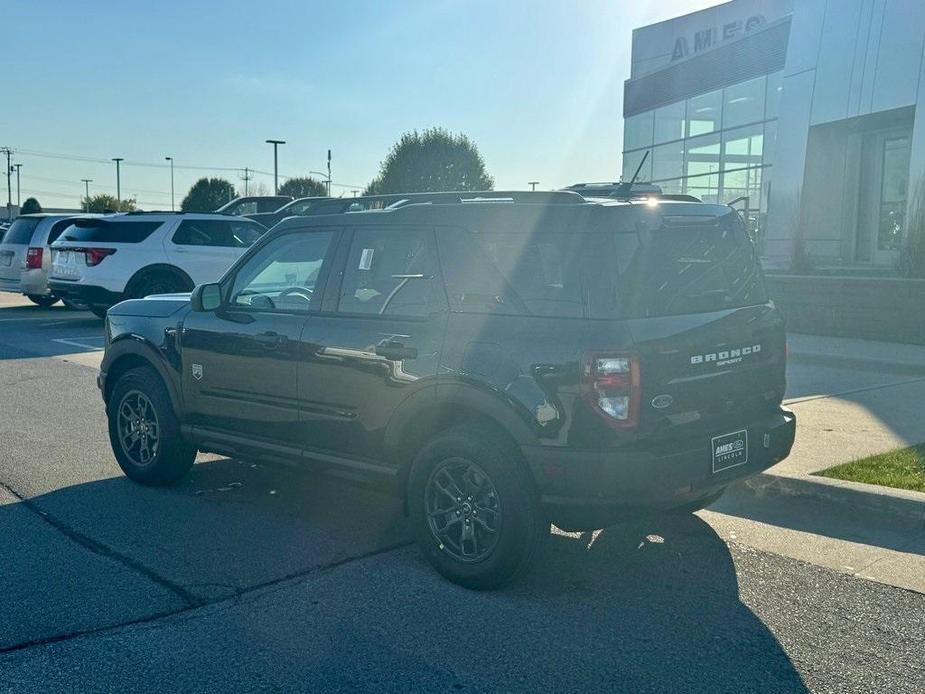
point(537, 85)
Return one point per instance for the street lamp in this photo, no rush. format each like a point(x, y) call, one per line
point(275, 144)
point(533, 185)
point(118, 161)
point(87, 182)
point(170, 159)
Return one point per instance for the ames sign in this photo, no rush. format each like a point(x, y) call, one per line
point(705, 39)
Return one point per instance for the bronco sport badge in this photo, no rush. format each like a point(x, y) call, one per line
point(727, 356)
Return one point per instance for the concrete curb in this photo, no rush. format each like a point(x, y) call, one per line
point(868, 497)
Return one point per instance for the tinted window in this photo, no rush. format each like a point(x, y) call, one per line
point(389, 272)
point(57, 229)
point(687, 265)
point(522, 273)
point(104, 231)
point(20, 232)
point(282, 275)
point(216, 232)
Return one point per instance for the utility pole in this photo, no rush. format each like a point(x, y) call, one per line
point(329, 173)
point(87, 182)
point(533, 184)
point(246, 177)
point(9, 187)
point(18, 198)
point(172, 206)
point(275, 143)
point(118, 161)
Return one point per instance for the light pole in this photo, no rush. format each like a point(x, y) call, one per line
point(275, 143)
point(329, 173)
point(87, 182)
point(18, 199)
point(172, 207)
point(118, 161)
point(9, 189)
point(533, 185)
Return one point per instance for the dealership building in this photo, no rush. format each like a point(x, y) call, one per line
point(810, 114)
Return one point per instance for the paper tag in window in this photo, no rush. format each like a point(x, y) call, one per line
point(366, 259)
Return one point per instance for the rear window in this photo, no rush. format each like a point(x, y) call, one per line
point(104, 231)
point(20, 231)
point(686, 264)
point(57, 229)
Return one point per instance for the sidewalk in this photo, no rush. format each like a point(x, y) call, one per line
point(853, 398)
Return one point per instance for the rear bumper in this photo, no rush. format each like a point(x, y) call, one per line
point(84, 293)
point(633, 479)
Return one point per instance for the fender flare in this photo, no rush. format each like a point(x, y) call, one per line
point(133, 345)
point(440, 398)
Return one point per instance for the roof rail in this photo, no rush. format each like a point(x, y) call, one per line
point(393, 201)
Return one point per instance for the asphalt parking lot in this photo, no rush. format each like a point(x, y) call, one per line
point(251, 577)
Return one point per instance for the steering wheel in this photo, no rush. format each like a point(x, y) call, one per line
point(301, 292)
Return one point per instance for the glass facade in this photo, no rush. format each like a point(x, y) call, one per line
point(715, 145)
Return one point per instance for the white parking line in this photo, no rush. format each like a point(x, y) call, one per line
point(82, 345)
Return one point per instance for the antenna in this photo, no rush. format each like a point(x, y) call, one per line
point(639, 168)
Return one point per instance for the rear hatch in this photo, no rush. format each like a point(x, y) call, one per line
point(13, 249)
point(89, 242)
point(709, 344)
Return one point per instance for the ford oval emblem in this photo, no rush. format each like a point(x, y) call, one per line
point(660, 402)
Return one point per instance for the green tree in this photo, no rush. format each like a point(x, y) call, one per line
point(306, 187)
point(207, 195)
point(107, 203)
point(30, 206)
point(431, 161)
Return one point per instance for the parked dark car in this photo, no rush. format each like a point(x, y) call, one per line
point(497, 360)
point(253, 204)
point(297, 208)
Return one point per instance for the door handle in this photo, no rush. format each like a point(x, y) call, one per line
point(270, 339)
point(396, 351)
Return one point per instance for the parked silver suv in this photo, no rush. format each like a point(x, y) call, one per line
point(25, 255)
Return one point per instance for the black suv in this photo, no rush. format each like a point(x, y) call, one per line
point(500, 361)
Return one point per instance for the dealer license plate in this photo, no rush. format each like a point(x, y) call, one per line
point(730, 450)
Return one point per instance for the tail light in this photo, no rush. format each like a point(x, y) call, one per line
point(34, 258)
point(95, 256)
point(612, 388)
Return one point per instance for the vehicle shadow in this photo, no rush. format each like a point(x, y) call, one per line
point(28, 331)
point(649, 606)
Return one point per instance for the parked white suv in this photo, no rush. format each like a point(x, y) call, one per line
point(99, 262)
point(25, 255)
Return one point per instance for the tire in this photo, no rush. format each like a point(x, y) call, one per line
point(471, 456)
point(156, 283)
point(98, 310)
point(139, 399)
point(43, 301)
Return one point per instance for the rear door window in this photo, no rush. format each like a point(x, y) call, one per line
point(20, 232)
point(390, 272)
point(217, 233)
point(682, 264)
point(513, 272)
point(105, 231)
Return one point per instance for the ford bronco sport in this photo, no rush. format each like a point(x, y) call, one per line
point(499, 360)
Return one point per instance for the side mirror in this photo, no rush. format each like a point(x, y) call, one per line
point(206, 297)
